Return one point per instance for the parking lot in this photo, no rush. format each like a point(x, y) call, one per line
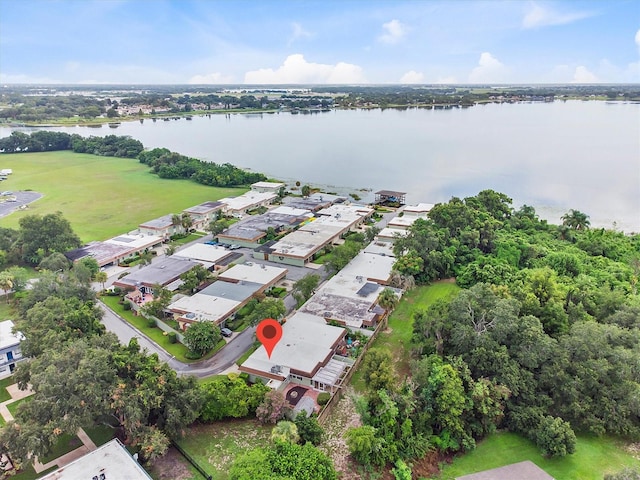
point(16, 201)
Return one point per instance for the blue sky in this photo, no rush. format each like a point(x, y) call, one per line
point(292, 42)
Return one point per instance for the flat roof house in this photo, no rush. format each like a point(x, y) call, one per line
point(250, 231)
point(10, 352)
point(112, 251)
point(164, 271)
point(110, 461)
point(305, 354)
point(351, 296)
point(202, 215)
point(161, 227)
point(208, 255)
point(238, 206)
point(223, 298)
point(263, 187)
point(299, 247)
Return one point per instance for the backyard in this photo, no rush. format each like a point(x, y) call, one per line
point(594, 457)
point(100, 196)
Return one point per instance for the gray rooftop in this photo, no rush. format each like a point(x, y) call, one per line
point(163, 271)
point(102, 252)
point(351, 311)
point(516, 471)
point(205, 207)
point(233, 291)
point(162, 222)
point(254, 226)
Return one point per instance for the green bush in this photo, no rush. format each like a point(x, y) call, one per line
point(152, 322)
point(323, 398)
point(173, 338)
point(126, 305)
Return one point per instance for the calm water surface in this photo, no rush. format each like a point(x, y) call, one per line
point(555, 156)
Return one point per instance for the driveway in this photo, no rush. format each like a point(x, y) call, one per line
point(22, 200)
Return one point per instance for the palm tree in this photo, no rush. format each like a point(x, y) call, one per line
point(186, 221)
point(388, 299)
point(285, 431)
point(576, 219)
point(101, 277)
point(6, 283)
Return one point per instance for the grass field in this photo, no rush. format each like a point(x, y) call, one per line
point(215, 446)
point(101, 196)
point(7, 311)
point(594, 457)
point(397, 337)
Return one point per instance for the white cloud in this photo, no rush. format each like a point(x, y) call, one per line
point(296, 69)
point(638, 39)
point(298, 32)
point(412, 77)
point(210, 78)
point(543, 16)
point(394, 32)
point(583, 75)
point(489, 70)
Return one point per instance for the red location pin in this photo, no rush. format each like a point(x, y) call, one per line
point(269, 332)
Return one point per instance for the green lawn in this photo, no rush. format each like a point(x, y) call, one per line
point(66, 443)
point(13, 407)
point(594, 457)
point(397, 338)
point(141, 323)
point(4, 395)
point(215, 446)
point(7, 311)
point(100, 434)
point(100, 196)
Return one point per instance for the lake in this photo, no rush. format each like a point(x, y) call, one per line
point(555, 156)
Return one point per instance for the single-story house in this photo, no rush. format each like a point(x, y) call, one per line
point(161, 227)
point(165, 271)
point(208, 255)
point(306, 354)
point(238, 206)
point(267, 187)
point(250, 231)
point(107, 462)
point(116, 249)
point(202, 215)
point(10, 352)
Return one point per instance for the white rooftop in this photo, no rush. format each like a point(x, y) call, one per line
point(7, 338)
point(205, 307)
point(392, 233)
point(402, 222)
point(380, 248)
point(306, 342)
point(257, 273)
point(295, 212)
point(273, 185)
point(353, 209)
point(421, 209)
point(203, 252)
point(134, 241)
point(369, 266)
point(247, 200)
point(110, 461)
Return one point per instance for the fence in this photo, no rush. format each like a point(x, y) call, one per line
point(192, 461)
point(335, 398)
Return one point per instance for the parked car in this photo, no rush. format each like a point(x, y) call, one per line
point(211, 242)
point(234, 247)
point(6, 193)
point(226, 332)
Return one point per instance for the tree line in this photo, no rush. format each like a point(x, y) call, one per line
point(163, 162)
point(544, 339)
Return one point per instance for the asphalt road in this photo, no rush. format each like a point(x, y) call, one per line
point(21, 198)
point(222, 360)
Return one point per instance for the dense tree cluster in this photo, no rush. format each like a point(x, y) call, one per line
point(167, 164)
point(46, 141)
point(546, 335)
point(40, 108)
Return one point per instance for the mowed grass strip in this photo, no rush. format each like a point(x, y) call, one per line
point(594, 457)
point(101, 196)
point(397, 336)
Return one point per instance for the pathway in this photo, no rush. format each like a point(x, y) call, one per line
point(87, 443)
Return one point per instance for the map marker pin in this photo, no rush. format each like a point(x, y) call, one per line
point(269, 332)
